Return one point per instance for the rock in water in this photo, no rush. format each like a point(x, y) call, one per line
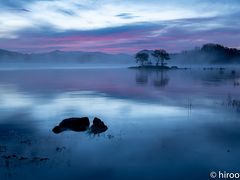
point(98, 126)
point(57, 130)
point(74, 124)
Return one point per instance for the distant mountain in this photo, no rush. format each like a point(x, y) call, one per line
point(4, 54)
point(62, 57)
point(208, 54)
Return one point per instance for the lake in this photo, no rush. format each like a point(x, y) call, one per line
point(178, 124)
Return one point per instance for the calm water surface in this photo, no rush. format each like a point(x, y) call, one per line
point(179, 124)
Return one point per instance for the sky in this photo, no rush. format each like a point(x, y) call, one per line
point(117, 26)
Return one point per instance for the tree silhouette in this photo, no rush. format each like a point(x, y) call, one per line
point(141, 57)
point(160, 55)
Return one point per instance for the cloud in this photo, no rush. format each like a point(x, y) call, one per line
point(126, 16)
point(86, 15)
point(114, 25)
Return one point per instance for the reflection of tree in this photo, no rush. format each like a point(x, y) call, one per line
point(158, 78)
point(232, 102)
point(141, 77)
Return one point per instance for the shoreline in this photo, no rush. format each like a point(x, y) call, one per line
point(158, 67)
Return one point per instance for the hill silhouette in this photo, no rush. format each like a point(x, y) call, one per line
point(210, 54)
point(207, 54)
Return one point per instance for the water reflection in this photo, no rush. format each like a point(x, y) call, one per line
point(217, 76)
point(158, 134)
point(142, 76)
point(161, 79)
point(157, 78)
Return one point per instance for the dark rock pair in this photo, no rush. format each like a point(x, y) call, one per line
point(80, 125)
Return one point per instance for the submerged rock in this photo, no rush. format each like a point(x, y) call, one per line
point(44, 159)
point(23, 158)
point(60, 149)
point(233, 72)
point(98, 126)
point(74, 124)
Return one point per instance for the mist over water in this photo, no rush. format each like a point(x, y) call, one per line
point(119, 90)
point(178, 124)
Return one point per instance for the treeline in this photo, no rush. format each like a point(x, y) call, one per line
point(209, 53)
point(144, 57)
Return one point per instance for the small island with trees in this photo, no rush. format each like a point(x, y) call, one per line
point(208, 54)
point(160, 57)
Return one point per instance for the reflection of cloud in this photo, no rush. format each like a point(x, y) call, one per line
point(91, 104)
point(11, 99)
point(87, 104)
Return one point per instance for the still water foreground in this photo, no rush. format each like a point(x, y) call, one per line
point(179, 124)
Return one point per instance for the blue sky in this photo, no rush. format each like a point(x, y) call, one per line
point(117, 26)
